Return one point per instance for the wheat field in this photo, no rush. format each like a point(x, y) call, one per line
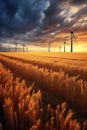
point(43, 91)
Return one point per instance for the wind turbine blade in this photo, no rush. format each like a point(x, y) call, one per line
point(74, 38)
point(68, 30)
point(78, 28)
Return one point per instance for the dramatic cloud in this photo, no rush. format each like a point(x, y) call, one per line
point(28, 19)
point(21, 16)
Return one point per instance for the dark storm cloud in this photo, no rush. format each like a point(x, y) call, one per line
point(22, 19)
point(22, 15)
point(77, 2)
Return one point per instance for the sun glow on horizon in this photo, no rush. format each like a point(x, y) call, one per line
point(76, 48)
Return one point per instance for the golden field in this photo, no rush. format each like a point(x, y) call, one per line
point(41, 91)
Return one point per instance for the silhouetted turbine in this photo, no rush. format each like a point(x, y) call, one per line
point(65, 45)
point(23, 47)
point(15, 47)
point(72, 37)
point(49, 46)
point(51, 38)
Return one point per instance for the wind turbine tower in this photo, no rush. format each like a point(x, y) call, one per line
point(15, 47)
point(51, 38)
point(72, 37)
point(23, 47)
point(49, 46)
point(65, 45)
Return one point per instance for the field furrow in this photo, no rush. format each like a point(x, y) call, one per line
point(53, 64)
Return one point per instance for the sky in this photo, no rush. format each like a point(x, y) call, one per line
point(38, 22)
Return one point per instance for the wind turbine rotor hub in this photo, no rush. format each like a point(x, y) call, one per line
point(71, 32)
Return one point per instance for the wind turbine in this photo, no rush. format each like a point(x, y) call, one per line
point(23, 46)
point(49, 43)
point(72, 37)
point(64, 45)
point(15, 47)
